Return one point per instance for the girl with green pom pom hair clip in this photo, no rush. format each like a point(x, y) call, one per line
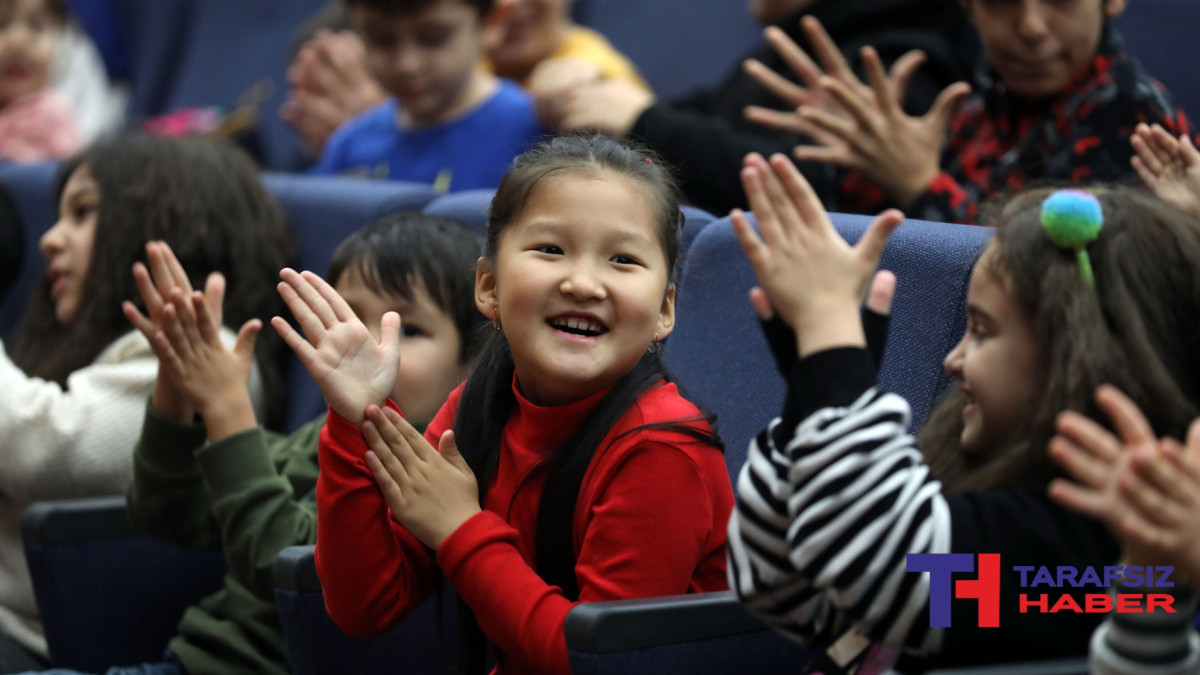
point(1072, 291)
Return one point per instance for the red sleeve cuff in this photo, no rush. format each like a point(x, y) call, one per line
point(479, 531)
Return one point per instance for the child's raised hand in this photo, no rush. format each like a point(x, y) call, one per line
point(812, 93)
point(1169, 166)
point(810, 275)
point(901, 153)
point(212, 378)
point(351, 369)
point(430, 492)
point(155, 284)
point(1124, 481)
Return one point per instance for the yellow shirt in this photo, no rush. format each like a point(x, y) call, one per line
point(586, 44)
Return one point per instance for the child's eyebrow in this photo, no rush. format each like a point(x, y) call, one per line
point(976, 312)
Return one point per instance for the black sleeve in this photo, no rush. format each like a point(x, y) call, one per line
point(12, 242)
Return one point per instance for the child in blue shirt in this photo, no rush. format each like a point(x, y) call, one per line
point(448, 123)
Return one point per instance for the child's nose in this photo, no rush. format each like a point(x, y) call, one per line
point(582, 283)
point(953, 361)
point(1032, 23)
point(51, 242)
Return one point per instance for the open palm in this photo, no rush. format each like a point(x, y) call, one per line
point(349, 366)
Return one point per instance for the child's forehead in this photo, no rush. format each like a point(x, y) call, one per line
point(435, 13)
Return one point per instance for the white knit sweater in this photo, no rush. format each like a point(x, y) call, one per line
point(58, 444)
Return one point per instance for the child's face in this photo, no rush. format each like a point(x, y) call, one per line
point(28, 33)
point(1039, 46)
point(995, 361)
point(429, 343)
point(67, 246)
point(774, 12)
point(579, 284)
point(426, 59)
point(534, 30)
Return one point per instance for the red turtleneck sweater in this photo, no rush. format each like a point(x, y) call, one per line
point(650, 520)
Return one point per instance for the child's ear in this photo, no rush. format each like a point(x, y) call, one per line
point(1114, 8)
point(495, 23)
point(485, 289)
point(666, 315)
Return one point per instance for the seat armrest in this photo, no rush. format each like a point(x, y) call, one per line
point(296, 569)
point(621, 625)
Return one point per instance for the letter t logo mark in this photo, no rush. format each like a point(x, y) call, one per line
point(940, 566)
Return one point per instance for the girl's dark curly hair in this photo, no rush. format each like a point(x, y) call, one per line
point(203, 199)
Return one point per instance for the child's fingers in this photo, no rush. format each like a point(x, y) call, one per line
point(1159, 470)
point(389, 332)
point(1081, 465)
point(1149, 178)
point(797, 60)
point(393, 496)
point(173, 329)
point(206, 327)
point(839, 155)
point(341, 309)
point(395, 440)
point(1089, 436)
point(1136, 529)
point(776, 119)
point(214, 296)
point(420, 447)
point(178, 274)
point(883, 290)
point(877, 77)
point(870, 247)
point(186, 320)
point(790, 221)
point(1148, 157)
point(860, 109)
point(147, 289)
point(761, 303)
point(1164, 144)
point(168, 358)
point(764, 209)
point(311, 297)
point(1131, 425)
point(1146, 500)
point(755, 249)
point(787, 91)
point(246, 337)
point(141, 322)
point(800, 194)
point(1085, 501)
point(1188, 152)
point(304, 351)
point(828, 54)
point(310, 323)
point(902, 72)
point(943, 107)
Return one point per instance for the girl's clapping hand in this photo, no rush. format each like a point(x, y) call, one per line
point(1169, 166)
point(811, 276)
point(430, 492)
point(349, 366)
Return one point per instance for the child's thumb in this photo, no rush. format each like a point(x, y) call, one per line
point(449, 450)
point(246, 338)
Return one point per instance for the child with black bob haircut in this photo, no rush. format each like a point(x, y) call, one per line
point(449, 123)
point(228, 483)
point(584, 474)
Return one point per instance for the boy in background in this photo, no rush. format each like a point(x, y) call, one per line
point(448, 123)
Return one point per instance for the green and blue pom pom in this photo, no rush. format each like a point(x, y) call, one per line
point(1072, 219)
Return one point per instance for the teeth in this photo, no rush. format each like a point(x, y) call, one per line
point(578, 324)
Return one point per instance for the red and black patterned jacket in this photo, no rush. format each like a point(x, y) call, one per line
point(999, 143)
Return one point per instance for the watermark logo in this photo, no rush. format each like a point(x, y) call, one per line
point(984, 589)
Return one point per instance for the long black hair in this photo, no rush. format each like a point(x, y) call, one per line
point(487, 399)
point(207, 203)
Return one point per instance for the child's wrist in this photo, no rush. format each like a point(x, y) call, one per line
point(835, 326)
point(169, 402)
point(227, 414)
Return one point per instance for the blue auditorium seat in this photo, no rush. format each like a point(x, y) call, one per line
point(321, 211)
point(108, 594)
point(197, 53)
point(678, 46)
point(470, 207)
point(32, 187)
point(721, 358)
point(1161, 34)
point(425, 643)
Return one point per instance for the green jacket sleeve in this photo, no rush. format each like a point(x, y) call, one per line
point(167, 495)
point(259, 485)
